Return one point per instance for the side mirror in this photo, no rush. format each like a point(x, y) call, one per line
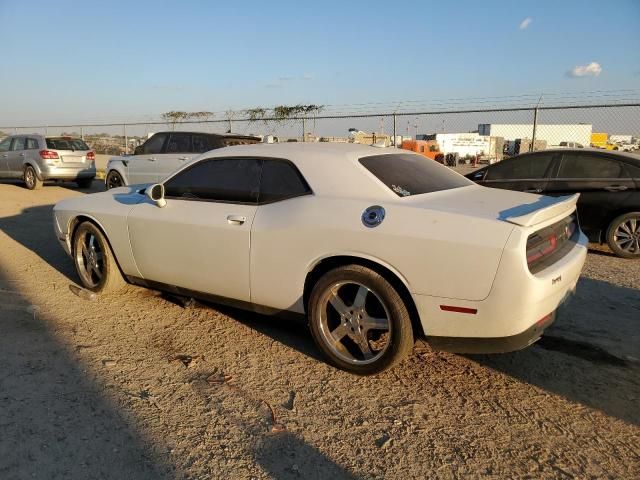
point(156, 194)
point(138, 150)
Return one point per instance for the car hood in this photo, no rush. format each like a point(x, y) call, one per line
point(482, 202)
point(104, 201)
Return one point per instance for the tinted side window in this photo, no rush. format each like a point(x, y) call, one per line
point(5, 144)
point(204, 143)
point(281, 180)
point(590, 166)
point(32, 144)
point(225, 179)
point(529, 166)
point(633, 170)
point(18, 144)
point(154, 144)
point(179, 143)
point(410, 174)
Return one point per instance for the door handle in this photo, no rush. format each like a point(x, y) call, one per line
point(533, 190)
point(236, 219)
point(182, 159)
point(616, 188)
point(151, 159)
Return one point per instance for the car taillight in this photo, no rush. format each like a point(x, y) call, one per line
point(546, 242)
point(48, 154)
point(538, 247)
point(91, 156)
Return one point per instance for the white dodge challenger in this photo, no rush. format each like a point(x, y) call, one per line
point(375, 246)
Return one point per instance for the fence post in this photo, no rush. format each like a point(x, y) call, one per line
point(126, 140)
point(82, 133)
point(394, 131)
point(535, 127)
point(304, 129)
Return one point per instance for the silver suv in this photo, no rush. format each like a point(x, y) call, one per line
point(36, 158)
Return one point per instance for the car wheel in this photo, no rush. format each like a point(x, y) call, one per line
point(31, 180)
point(359, 321)
point(94, 261)
point(623, 235)
point(84, 183)
point(114, 180)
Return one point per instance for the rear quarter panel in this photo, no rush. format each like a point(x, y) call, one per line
point(435, 253)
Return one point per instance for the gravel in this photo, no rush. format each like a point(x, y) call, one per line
point(135, 386)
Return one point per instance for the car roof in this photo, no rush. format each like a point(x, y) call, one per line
point(232, 135)
point(615, 153)
point(331, 169)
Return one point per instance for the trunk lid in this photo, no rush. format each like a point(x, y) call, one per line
point(519, 208)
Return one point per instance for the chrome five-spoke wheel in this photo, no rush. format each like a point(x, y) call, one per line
point(95, 264)
point(354, 322)
point(359, 320)
point(89, 259)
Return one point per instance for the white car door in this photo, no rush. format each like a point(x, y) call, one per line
point(200, 240)
point(143, 167)
point(177, 153)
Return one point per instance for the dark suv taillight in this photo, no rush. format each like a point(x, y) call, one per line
point(91, 156)
point(48, 154)
point(551, 243)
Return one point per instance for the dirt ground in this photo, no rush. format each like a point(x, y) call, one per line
point(94, 389)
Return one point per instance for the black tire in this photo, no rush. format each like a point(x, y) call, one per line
point(623, 235)
point(110, 279)
point(84, 182)
point(399, 340)
point(113, 180)
point(30, 177)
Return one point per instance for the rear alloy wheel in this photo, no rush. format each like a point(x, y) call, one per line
point(114, 180)
point(31, 180)
point(623, 235)
point(359, 321)
point(94, 261)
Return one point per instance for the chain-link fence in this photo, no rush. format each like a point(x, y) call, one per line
point(486, 134)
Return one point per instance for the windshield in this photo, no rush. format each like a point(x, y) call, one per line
point(407, 174)
point(66, 144)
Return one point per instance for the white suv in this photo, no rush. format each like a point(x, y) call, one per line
point(163, 153)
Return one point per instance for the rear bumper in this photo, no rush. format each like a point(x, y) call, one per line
point(514, 315)
point(50, 172)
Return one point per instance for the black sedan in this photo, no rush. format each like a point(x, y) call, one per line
point(608, 183)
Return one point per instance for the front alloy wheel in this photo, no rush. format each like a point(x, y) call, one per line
point(94, 261)
point(623, 235)
point(359, 321)
point(114, 180)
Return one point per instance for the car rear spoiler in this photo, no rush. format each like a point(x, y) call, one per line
point(544, 209)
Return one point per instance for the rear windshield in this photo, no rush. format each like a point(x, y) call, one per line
point(66, 144)
point(407, 174)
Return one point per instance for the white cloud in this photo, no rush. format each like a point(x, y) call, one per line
point(592, 69)
point(525, 23)
point(307, 76)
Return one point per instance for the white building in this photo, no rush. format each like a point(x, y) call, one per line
point(552, 134)
point(464, 143)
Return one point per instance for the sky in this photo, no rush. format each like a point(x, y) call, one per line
point(88, 61)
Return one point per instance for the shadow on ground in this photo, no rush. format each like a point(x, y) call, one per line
point(55, 421)
point(591, 354)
